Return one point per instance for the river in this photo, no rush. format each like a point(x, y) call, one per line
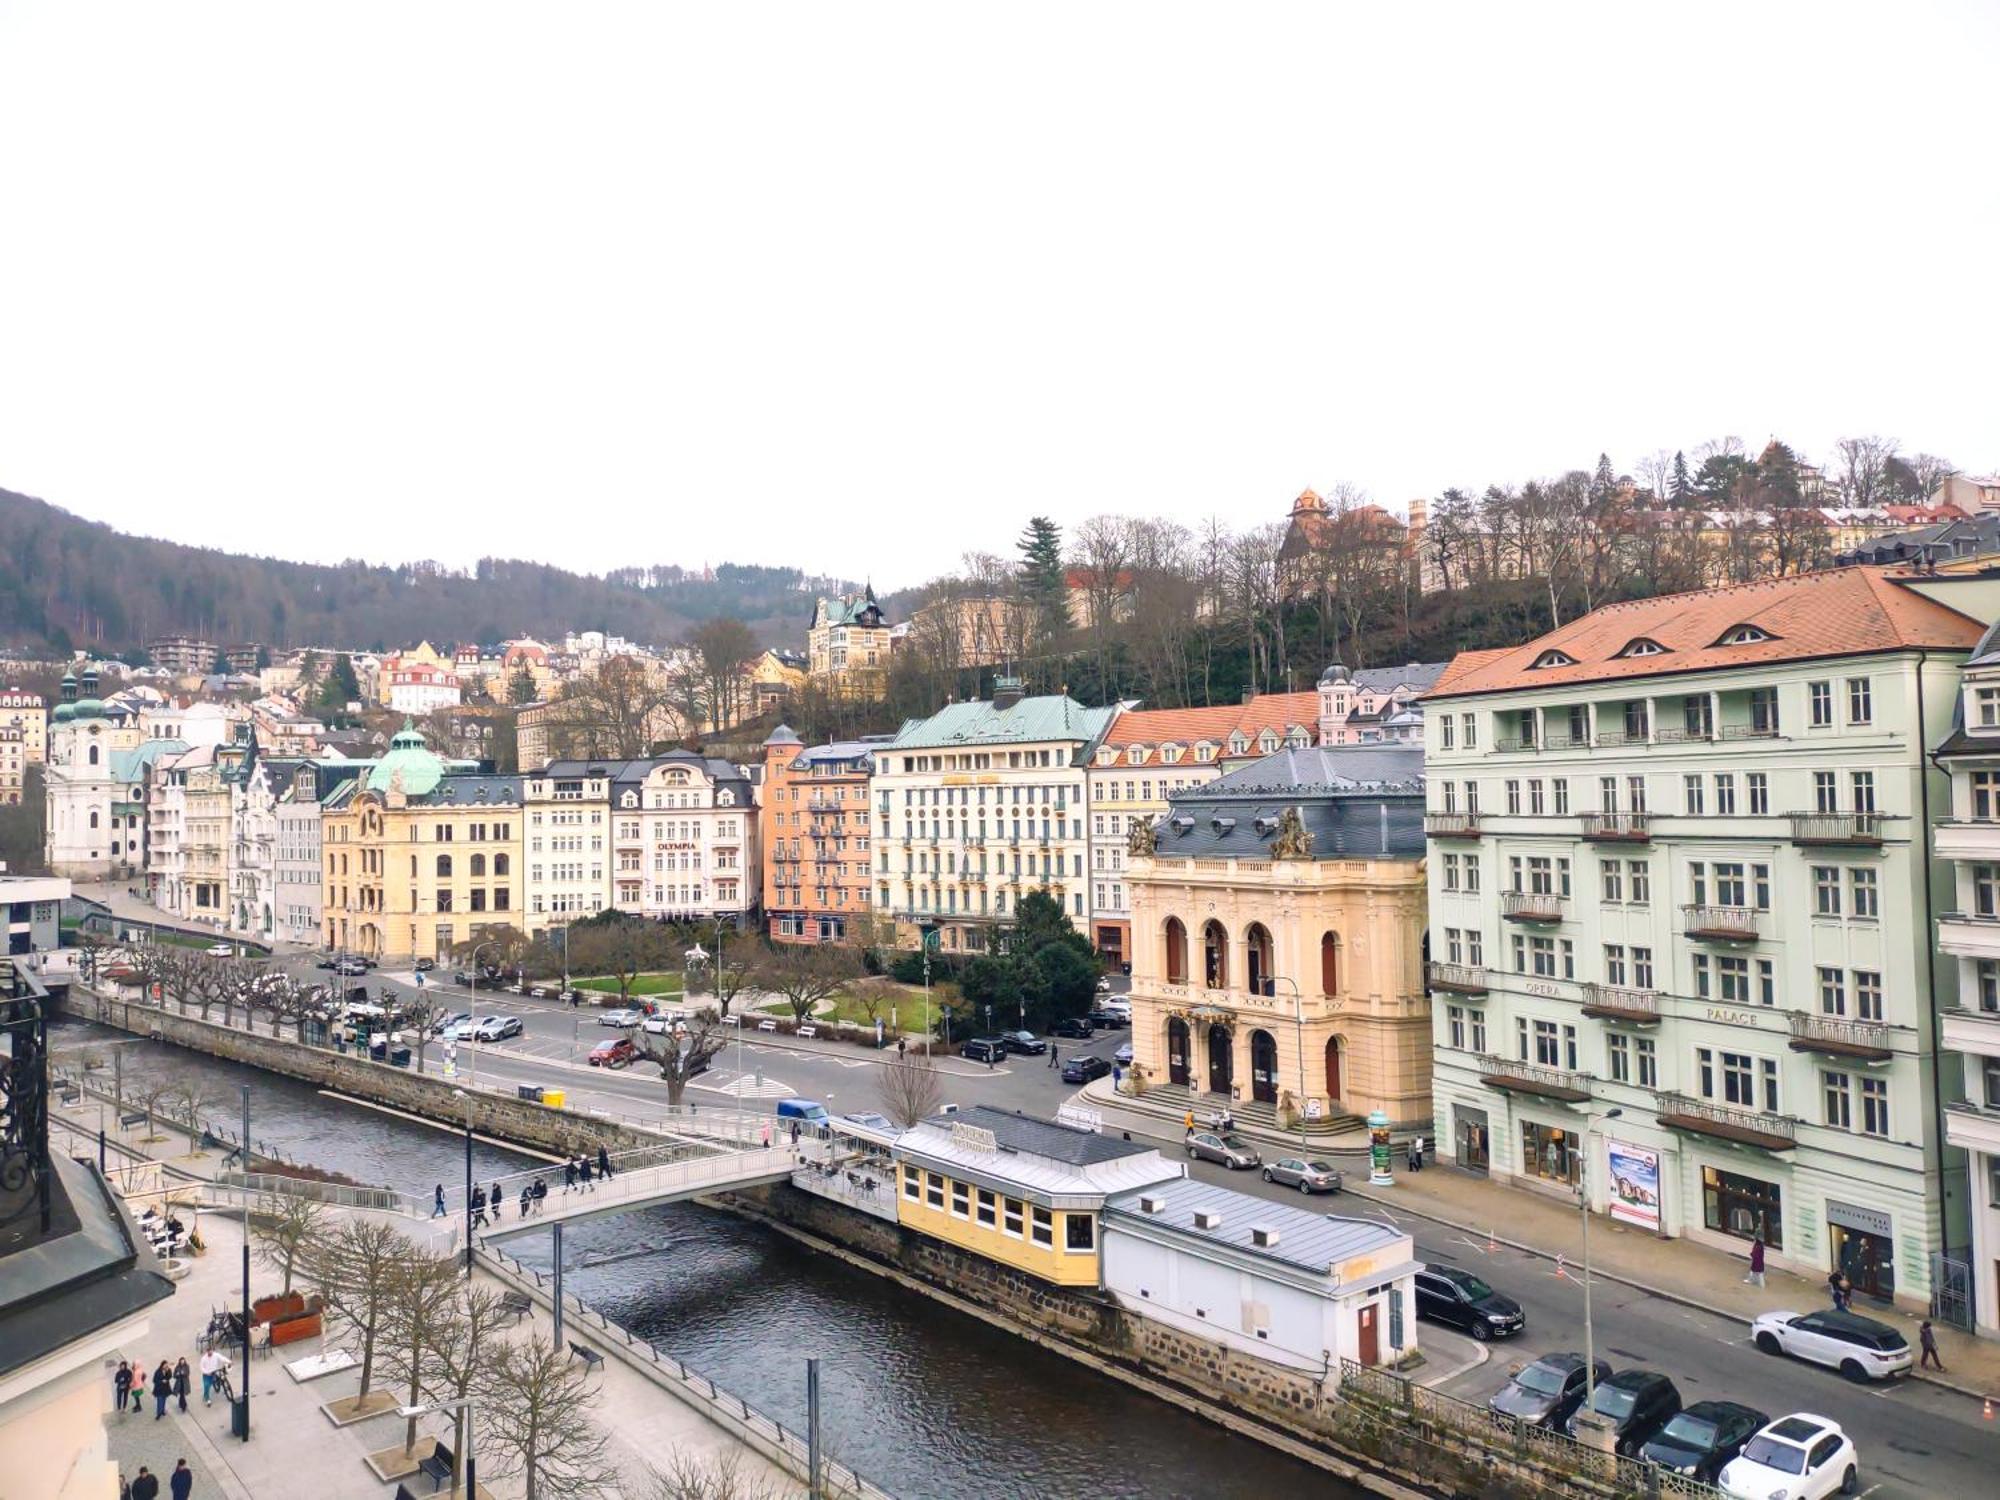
point(927, 1402)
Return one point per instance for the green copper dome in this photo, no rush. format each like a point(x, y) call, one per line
point(409, 766)
point(64, 713)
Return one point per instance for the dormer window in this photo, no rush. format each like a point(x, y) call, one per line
point(1643, 646)
point(1744, 635)
point(1182, 825)
point(1267, 742)
point(1204, 752)
point(1106, 755)
point(1171, 754)
point(1986, 708)
point(1136, 755)
point(1552, 658)
point(1238, 744)
point(1221, 825)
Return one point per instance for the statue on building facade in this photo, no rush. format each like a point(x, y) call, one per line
point(1139, 841)
point(1294, 840)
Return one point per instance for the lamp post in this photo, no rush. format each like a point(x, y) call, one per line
point(472, 1051)
point(1586, 1417)
point(245, 1397)
point(461, 1093)
point(462, 1409)
point(1299, 1016)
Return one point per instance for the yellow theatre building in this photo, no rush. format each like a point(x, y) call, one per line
point(419, 856)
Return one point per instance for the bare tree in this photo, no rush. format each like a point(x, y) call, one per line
point(808, 974)
point(683, 1051)
point(727, 650)
point(461, 1351)
point(153, 1093)
point(619, 946)
point(1865, 470)
point(541, 1400)
point(875, 993)
point(287, 1237)
point(691, 1476)
point(424, 1302)
point(358, 1271)
point(911, 1089)
point(191, 1094)
point(721, 981)
point(1655, 469)
point(620, 711)
point(420, 1013)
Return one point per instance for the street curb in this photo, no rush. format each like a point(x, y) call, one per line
point(1665, 1295)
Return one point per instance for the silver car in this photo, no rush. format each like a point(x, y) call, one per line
point(1306, 1176)
point(1232, 1151)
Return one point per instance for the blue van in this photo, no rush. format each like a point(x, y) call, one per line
point(808, 1112)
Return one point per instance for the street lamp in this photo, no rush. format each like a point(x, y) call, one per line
point(1299, 1013)
point(1586, 1418)
point(461, 1093)
point(462, 1409)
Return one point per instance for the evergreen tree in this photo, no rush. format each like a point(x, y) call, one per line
point(1680, 487)
point(1041, 580)
point(521, 686)
point(341, 687)
point(1603, 483)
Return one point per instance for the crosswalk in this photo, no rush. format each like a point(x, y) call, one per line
point(746, 1086)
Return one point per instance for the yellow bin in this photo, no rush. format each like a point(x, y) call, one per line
point(554, 1097)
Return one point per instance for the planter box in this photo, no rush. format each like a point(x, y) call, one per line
point(273, 1309)
point(293, 1330)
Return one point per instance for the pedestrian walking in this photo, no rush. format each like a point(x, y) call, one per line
point(1755, 1275)
point(222, 1376)
point(569, 1177)
point(496, 1200)
point(765, 1133)
point(541, 1192)
point(583, 1173)
point(163, 1387)
point(180, 1483)
point(1052, 1054)
point(1187, 1123)
point(795, 1133)
point(208, 1368)
point(901, 1047)
point(603, 1162)
point(182, 1380)
point(527, 1199)
point(121, 1383)
point(1927, 1337)
point(1413, 1156)
point(145, 1487)
point(437, 1203)
point(479, 1208)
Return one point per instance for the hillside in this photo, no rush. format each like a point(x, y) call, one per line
point(68, 581)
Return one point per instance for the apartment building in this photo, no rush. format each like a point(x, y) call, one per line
point(670, 835)
point(418, 857)
point(847, 645)
point(813, 825)
point(976, 805)
point(13, 764)
point(1968, 933)
point(182, 655)
point(1678, 875)
point(25, 711)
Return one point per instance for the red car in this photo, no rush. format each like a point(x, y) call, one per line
point(616, 1053)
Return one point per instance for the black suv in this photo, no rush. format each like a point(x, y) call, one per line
point(1698, 1440)
point(1084, 1068)
point(1637, 1404)
point(1024, 1042)
point(1076, 1027)
point(1458, 1299)
point(1545, 1393)
point(986, 1049)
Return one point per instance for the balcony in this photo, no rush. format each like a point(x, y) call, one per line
point(1610, 1002)
point(1456, 979)
point(1452, 825)
point(1834, 1036)
point(1746, 1127)
point(1965, 934)
point(1531, 906)
point(1616, 828)
point(1972, 1126)
point(1531, 1078)
point(1858, 830)
point(1562, 739)
point(1968, 838)
point(1698, 736)
point(1721, 924)
point(1750, 732)
point(1515, 745)
point(1620, 739)
point(1969, 1030)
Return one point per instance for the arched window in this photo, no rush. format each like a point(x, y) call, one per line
point(1176, 951)
point(1329, 963)
point(499, 864)
point(1257, 959)
point(444, 866)
point(93, 811)
point(1215, 955)
point(478, 865)
point(93, 755)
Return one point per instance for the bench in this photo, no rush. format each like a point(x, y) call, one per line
point(808, 1031)
point(437, 1465)
point(590, 1357)
point(517, 1303)
point(767, 1025)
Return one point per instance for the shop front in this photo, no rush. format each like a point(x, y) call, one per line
point(1864, 1248)
point(1745, 1207)
point(1473, 1149)
point(1551, 1153)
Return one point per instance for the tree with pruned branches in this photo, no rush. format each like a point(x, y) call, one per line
point(542, 1427)
point(683, 1051)
point(287, 1237)
point(911, 1089)
point(807, 975)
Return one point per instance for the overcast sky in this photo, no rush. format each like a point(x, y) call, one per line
point(858, 287)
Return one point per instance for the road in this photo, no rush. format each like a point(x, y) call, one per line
point(1916, 1439)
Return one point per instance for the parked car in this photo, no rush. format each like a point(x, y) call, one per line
point(624, 1019)
point(616, 1053)
point(1860, 1348)
point(1545, 1392)
point(1109, 1020)
point(870, 1118)
point(1800, 1457)
point(1123, 1056)
point(1084, 1067)
point(450, 1023)
point(1078, 1027)
point(495, 1028)
point(1104, 985)
point(1459, 1299)
point(350, 968)
point(805, 1111)
point(1024, 1042)
point(1232, 1151)
point(1116, 1005)
point(986, 1049)
point(329, 963)
point(1698, 1440)
point(1306, 1176)
point(660, 1022)
point(1637, 1404)
point(425, 965)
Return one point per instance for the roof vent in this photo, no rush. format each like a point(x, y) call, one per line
point(1222, 825)
point(1266, 826)
point(1263, 1235)
point(1207, 1218)
point(1182, 825)
point(1150, 1204)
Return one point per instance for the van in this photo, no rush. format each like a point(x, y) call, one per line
point(805, 1111)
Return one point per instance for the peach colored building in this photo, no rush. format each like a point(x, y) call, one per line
point(814, 825)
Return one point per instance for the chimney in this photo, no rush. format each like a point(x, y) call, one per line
point(1150, 1204)
point(1263, 1236)
point(1207, 1218)
point(1248, 695)
point(1006, 693)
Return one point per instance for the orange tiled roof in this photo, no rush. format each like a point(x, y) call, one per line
point(1279, 711)
point(1177, 726)
point(1840, 612)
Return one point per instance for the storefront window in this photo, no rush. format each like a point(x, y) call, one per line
point(1548, 1152)
point(1743, 1206)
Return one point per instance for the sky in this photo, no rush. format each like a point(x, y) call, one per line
point(857, 288)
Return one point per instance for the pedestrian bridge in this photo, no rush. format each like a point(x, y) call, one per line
point(635, 1185)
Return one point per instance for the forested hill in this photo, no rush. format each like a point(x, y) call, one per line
point(67, 581)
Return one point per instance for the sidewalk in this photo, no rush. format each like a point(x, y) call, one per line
point(1679, 1270)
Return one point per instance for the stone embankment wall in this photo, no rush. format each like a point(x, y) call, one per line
point(560, 1132)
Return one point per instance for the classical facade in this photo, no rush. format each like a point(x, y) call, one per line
point(93, 831)
point(1680, 865)
point(13, 764)
point(813, 825)
point(1278, 938)
point(1375, 705)
point(847, 645)
point(976, 805)
point(25, 711)
point(418, 856)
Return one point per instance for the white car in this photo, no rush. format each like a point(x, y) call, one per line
point(1860, 1348)
point(624, 1020)
point(491, 1029)
point(219, 950)
point(1800, 1457)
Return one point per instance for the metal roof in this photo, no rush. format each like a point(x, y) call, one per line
point(1307, 1241)
point(1028, 721)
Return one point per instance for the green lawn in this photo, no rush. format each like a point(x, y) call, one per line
point(645, 984)
point(909, 1008)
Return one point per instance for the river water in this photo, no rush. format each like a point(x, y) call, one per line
point(928, 1403)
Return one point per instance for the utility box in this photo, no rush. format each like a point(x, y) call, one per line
point(239, 1414)
point(532, 1092)
point(554, 1098)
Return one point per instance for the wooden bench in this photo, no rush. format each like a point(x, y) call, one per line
point(436, 1464)
point(590, 1357)
point(517, 1303)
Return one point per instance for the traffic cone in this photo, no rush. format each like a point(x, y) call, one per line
point(1988, 1412)
point(1492, 1244)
